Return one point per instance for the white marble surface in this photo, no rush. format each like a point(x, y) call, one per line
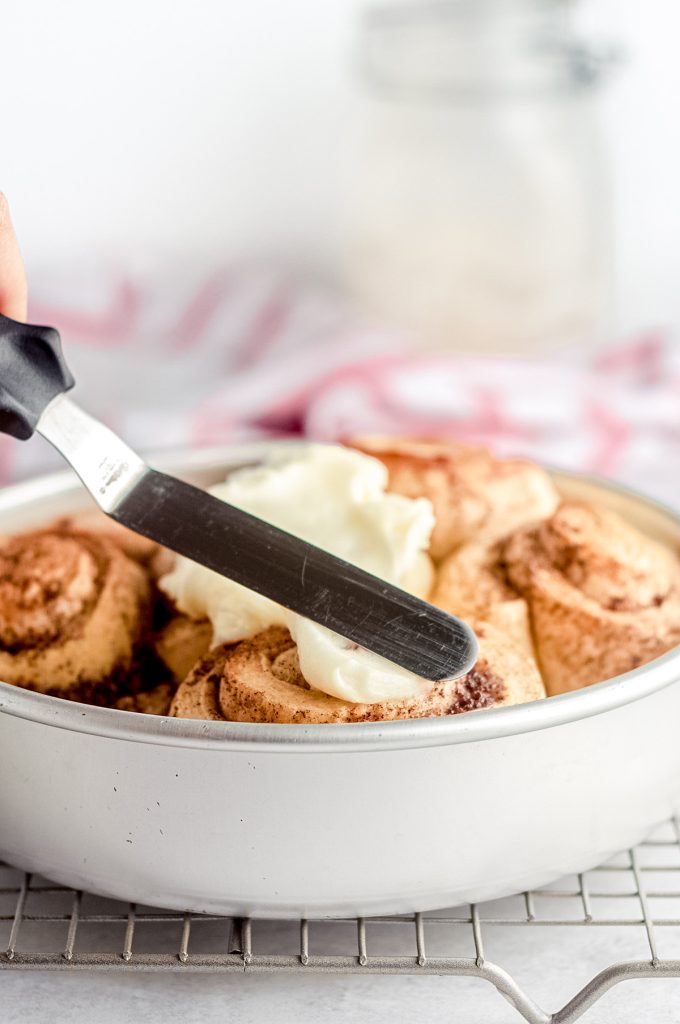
point(550, 964)
point(38, 998)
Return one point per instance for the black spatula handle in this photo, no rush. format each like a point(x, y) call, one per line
point(32, 373)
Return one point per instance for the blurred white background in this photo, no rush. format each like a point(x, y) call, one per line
point(147, 130)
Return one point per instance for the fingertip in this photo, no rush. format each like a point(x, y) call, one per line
point(13, 287)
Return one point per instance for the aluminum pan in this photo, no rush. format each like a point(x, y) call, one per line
point(366, 736)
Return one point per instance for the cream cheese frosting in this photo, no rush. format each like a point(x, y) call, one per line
point(337, 499)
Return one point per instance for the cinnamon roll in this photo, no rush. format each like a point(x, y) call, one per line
point(473, 584)
point(94, 521)
point(73, 609)
point(604, 598)
point(155, 701)
point(180, 644)
point(259, 680)
point(473, 494)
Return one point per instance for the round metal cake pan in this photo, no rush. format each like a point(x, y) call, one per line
point(365, 819)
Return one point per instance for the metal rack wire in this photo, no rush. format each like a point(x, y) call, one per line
point(47, 926)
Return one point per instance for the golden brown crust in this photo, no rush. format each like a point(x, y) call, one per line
point(161, 563)
point(472, 583)
point(156, 701)
point(73, 609)
point(259, 680)
point(604, 598)
point(95, 522)
point(474, 494)
point(180, 644)
point(199, 695)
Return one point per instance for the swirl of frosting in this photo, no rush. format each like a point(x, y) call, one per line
point(473, 494)
point(259, 680)
point(72, 609)
point(335, 498)
point(604, 598)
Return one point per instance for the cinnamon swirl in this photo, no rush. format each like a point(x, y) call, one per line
point(73, 609)
point(259, 680)
point(604, 598)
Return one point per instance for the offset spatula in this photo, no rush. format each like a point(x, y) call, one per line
point(34, 380)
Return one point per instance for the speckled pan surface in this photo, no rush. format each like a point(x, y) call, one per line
point(281, 820)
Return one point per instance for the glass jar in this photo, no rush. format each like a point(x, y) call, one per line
point(478, 208)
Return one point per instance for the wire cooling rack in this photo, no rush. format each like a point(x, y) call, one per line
point(634, 899)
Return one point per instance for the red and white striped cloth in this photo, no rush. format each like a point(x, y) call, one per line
point(245, 354)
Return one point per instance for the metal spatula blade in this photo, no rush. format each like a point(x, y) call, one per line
point(301, 577)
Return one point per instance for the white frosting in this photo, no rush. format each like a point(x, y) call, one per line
point(335, 498)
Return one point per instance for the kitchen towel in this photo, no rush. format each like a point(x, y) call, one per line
point(244, 353)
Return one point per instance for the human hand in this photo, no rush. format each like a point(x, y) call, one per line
point(12, 274)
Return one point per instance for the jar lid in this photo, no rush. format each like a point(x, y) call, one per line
point(477, 50)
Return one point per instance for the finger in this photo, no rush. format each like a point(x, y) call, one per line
point(12, 275)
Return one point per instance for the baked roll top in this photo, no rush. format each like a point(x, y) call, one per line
point(73, 609)
point(604, 598)
point(473, 494)
point(259, 680)
point(473, 584)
